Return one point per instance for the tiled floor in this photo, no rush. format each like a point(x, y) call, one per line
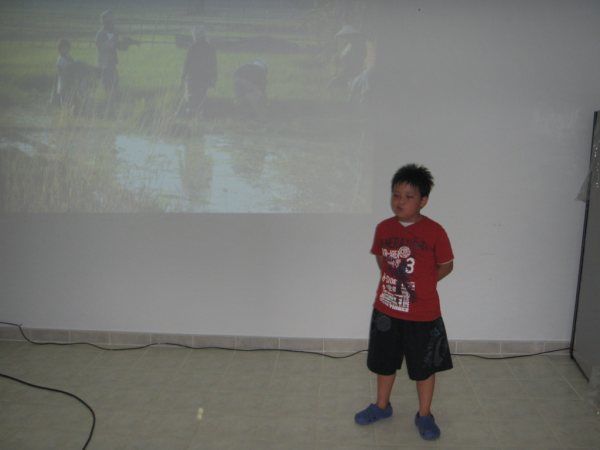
point(149, 399)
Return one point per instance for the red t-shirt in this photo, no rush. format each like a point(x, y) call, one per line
point(408, 285)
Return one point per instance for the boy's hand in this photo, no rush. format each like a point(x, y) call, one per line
point(444, 270)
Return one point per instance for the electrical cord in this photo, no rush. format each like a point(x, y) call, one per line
point(512, 356)
point(117, 349)
point(31, 341)
point(46, 388)
point(349, 355)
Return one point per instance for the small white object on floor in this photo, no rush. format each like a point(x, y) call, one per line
point(200, 413)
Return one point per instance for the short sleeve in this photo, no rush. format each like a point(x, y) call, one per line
point(443, 249)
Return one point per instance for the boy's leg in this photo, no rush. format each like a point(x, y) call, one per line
point(431, 355)
point(425, 390)
point(382, 409)
point(385, 383)
point(424, 420)
point(384, 357)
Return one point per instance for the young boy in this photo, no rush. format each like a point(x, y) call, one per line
point(413, 253)
point(65, 79)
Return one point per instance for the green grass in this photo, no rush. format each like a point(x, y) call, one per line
point(150, 67)
point(150, 73)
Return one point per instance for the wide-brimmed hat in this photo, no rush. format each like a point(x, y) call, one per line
point(260, 63)
point(107, 15)
point(347, 30)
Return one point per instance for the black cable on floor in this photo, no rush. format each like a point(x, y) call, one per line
point(31, 341)
point(117, 349)
point(46, 388)
point(20, 327)
point(511, 356)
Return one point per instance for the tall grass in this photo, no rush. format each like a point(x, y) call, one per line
point(68, 175)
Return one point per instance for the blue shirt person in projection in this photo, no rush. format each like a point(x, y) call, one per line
point(74, 79)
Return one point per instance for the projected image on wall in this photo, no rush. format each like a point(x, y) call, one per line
point(187, 106)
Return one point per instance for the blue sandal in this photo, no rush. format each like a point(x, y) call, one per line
point(372, 413)
point(427, 427)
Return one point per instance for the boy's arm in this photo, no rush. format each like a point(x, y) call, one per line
point(380, 262)
point(444, 270)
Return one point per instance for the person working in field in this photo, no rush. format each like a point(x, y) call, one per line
point(74, 79)
point(199, 72)
point(107, 44)
point(350, 61)
point(250, 88)
point(64, 88)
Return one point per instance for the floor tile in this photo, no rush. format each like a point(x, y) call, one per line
point(286, 429)
point(534, 367)
point(503, 388)
point(150, 398)
point(577, 432)
point(340, 430)
point(548, 388)
point(526, 432)
point(293, 404)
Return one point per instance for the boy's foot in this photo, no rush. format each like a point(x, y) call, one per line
point(427, 427)
point(372, 413)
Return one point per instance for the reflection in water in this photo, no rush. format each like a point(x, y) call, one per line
point(196, 173)
point(206, 174)
point(29, 144)
point(226, 173)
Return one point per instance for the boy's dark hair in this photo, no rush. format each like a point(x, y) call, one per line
point(417, 176)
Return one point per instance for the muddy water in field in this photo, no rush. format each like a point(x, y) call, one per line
point(223, 173)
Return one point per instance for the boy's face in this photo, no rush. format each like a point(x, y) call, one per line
point(407, 202)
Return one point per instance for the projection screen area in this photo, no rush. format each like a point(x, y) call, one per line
point(186, 106)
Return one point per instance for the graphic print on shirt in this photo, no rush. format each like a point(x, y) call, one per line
point(398, 290)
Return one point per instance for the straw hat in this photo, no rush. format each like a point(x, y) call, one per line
point(347, 30)
point(260, 63)
point(107, 16)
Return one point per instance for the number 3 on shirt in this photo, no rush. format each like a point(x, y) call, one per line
point(410, 265)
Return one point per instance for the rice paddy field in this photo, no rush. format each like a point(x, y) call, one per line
point(294, 157)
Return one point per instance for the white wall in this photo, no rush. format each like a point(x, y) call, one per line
point(496, 97)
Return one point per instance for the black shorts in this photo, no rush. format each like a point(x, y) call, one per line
point(424, 344)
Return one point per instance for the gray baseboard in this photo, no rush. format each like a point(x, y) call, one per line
point(319, 345)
